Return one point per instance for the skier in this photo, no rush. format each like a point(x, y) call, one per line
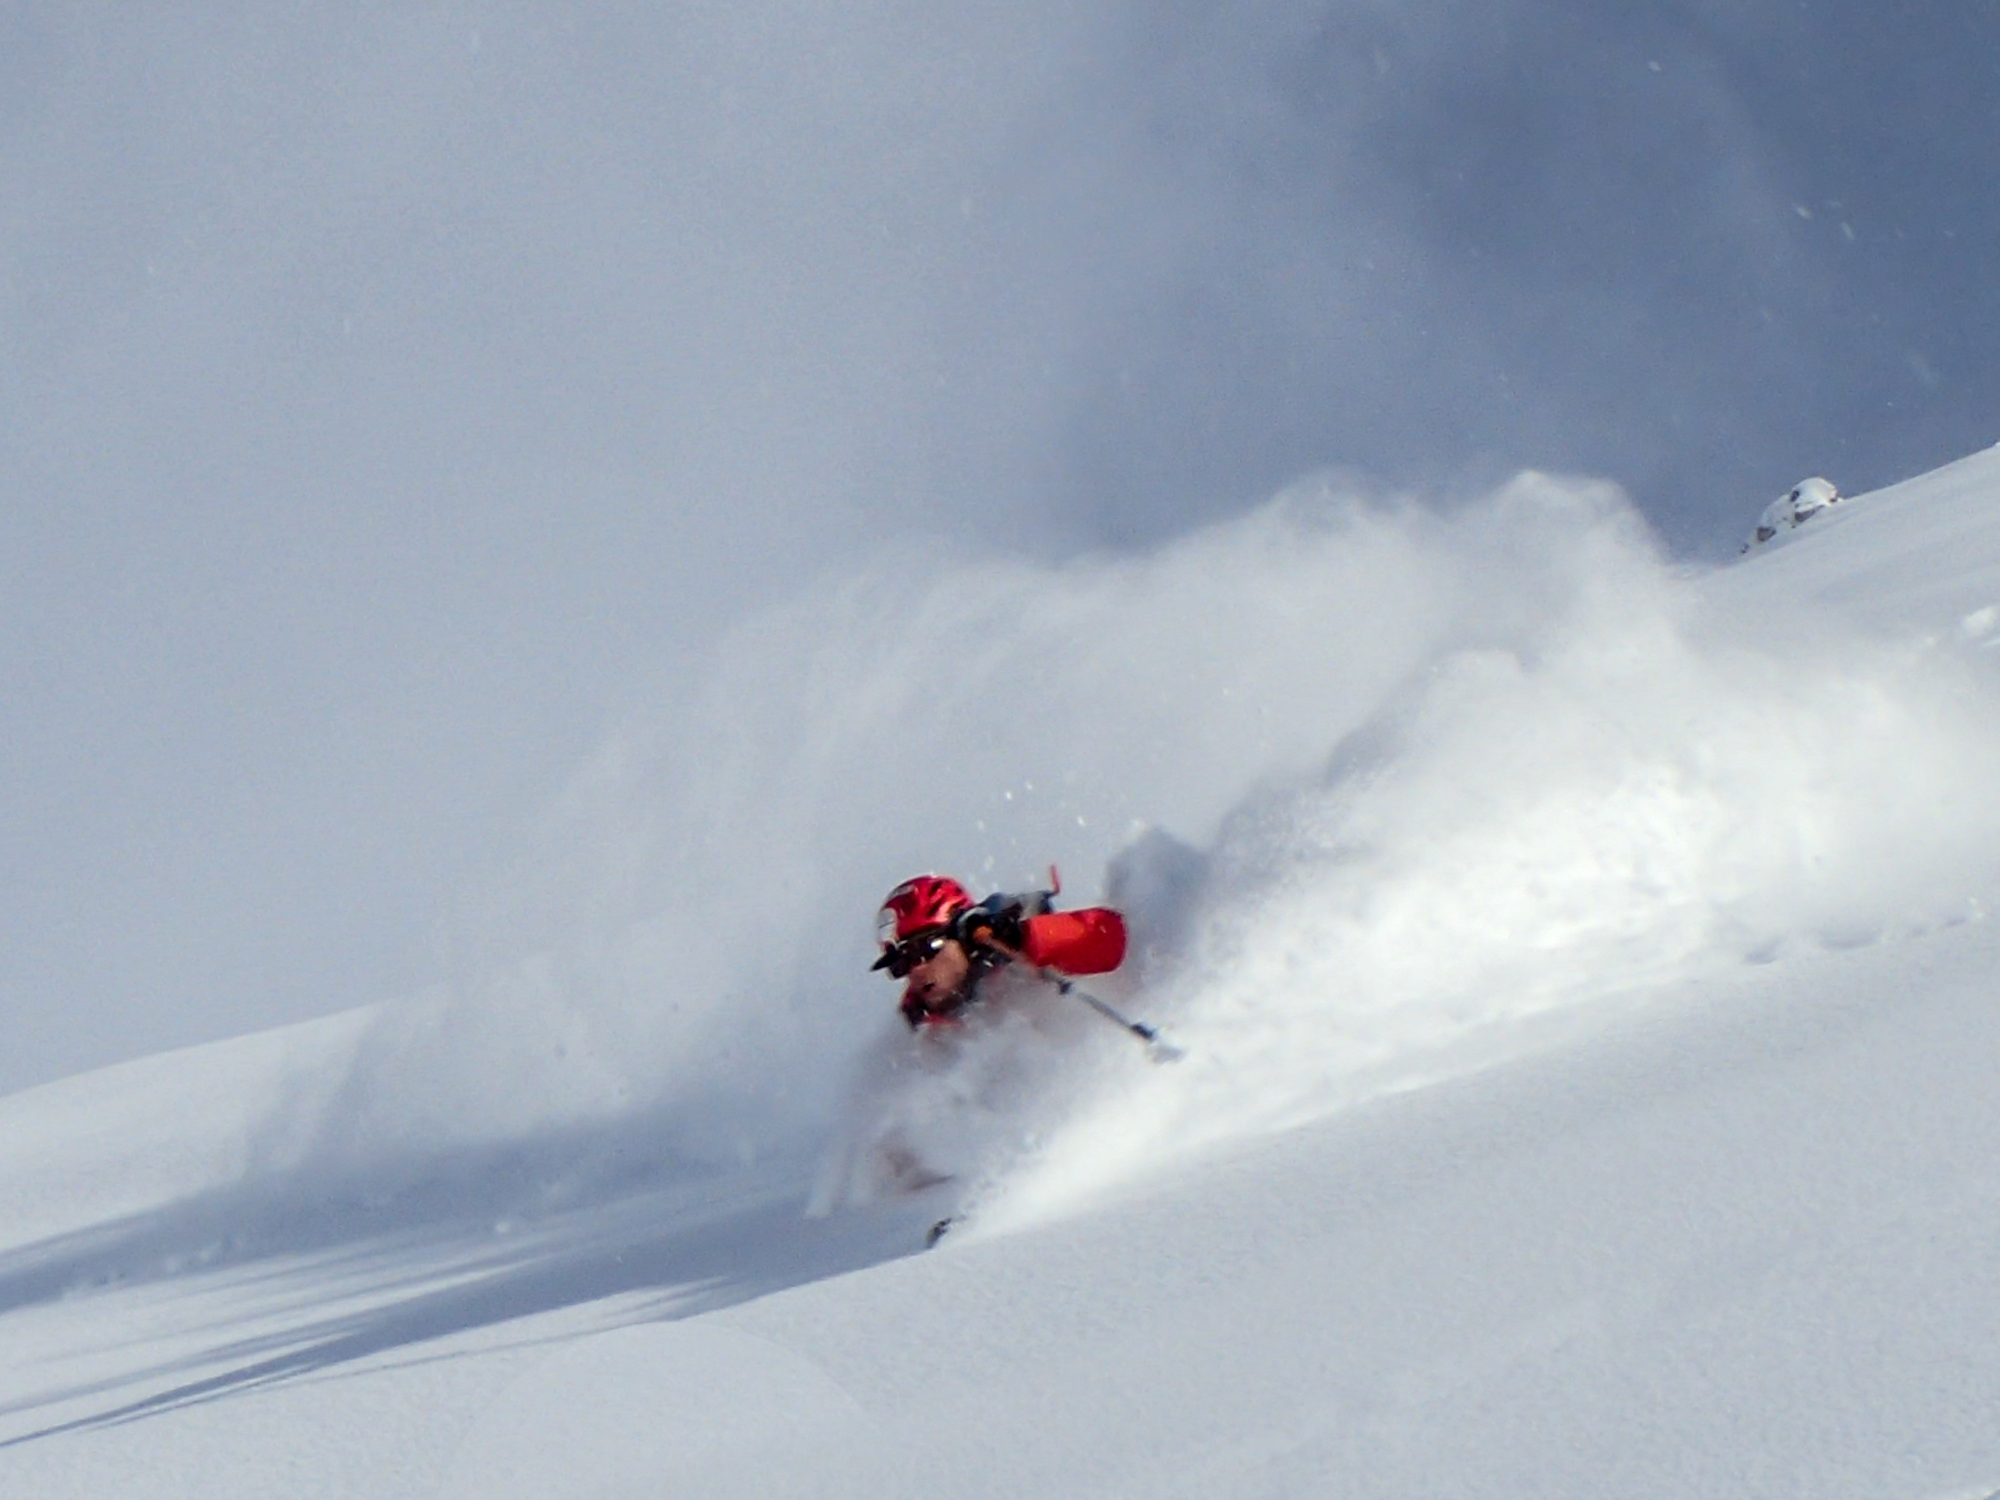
point(930, 1115)
point(947, 945)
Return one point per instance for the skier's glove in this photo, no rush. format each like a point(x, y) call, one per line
point(990, 926)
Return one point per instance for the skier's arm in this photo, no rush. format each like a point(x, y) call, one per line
point(1091, 941)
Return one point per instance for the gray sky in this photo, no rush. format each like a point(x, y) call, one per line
point(391, 395)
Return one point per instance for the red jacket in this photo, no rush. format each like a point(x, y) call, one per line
point(1090, 941)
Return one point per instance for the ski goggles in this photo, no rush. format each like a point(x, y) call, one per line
point(918, 948)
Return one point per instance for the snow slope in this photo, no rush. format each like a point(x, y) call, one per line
point(1590, 1007)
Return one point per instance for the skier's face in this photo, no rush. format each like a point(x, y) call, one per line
point(938, 978)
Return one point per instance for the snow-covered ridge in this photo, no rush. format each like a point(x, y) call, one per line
point(1430, 774)
point(1574, 951)
point(1919, 558)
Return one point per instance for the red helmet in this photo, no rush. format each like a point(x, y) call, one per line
point(925, 901)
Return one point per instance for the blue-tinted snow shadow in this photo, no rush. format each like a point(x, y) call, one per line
point(344, 1270)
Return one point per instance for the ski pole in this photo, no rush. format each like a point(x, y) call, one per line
point(1161, 1049)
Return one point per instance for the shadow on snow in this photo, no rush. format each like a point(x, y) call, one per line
point(431, 1248)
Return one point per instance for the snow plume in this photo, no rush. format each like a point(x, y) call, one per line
point(1610, 776)
point(1427, 772)
point(686, 938)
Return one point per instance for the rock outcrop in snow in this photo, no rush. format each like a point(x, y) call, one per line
point(1791, 510)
